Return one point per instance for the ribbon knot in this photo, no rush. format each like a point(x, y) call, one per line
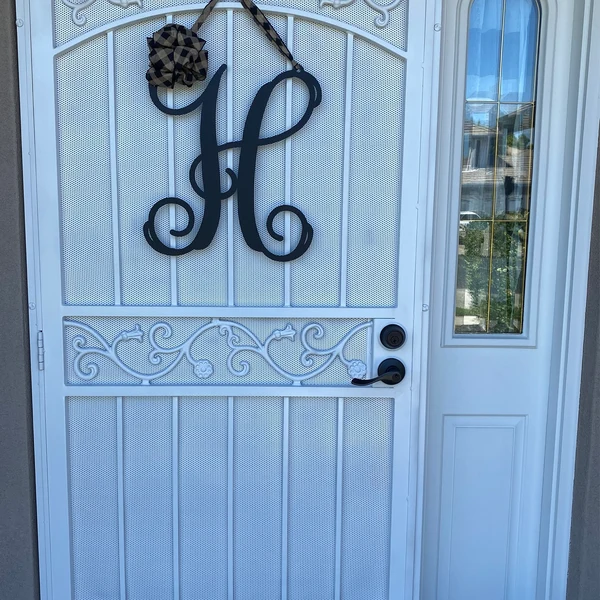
point(177, 55)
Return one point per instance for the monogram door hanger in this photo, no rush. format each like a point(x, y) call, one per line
point(177, 55)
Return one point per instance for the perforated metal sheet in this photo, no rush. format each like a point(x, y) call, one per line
point(143, 170)
point(259, 281)
point(84, 175)
point(367, 498)
point(358, 14)
point(148, 498)
point(143, 163)
point(257, 503)
point(203, 488)
point(316, 183)
point(312, 498)
point(93, 497)
point(375, 177)
point(201, 276)
point(211, 345)
point(153, 542)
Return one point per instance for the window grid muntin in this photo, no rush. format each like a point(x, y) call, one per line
point(498, 103)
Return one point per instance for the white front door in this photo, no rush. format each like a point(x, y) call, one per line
point(199, 436)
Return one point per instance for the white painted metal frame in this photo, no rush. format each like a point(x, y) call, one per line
point(562, 235)
point(421, 82)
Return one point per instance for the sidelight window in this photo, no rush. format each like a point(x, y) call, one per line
point(497, 158)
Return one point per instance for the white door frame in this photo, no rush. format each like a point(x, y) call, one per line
point(562, 430)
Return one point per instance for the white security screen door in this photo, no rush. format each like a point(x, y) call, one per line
point(198, 435)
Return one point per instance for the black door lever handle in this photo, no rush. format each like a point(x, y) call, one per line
point(390, 371)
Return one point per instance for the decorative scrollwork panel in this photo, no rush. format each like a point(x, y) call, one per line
point(194, 351)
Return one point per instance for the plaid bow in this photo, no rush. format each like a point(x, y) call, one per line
point(176, 56)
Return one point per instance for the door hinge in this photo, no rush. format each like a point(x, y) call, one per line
point(40, 350)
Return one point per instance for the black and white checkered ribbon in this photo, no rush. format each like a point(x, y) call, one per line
point(177, 53)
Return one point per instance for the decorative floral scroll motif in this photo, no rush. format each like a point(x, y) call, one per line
point(203, 368)
point(384, 9)
point(77, 7)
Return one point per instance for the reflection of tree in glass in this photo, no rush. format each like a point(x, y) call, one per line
point(476, 267)
point(506, 301)
point(520, 141)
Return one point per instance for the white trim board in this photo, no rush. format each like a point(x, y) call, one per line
point(571, 350)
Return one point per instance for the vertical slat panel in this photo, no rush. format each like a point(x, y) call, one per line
point(112, 124)
point(86, 188)
point(230, 203)
point(284, 497)
point(259, 281)
point(339, 498)
point(175, 488)
point(172, 213)
point(366, 512)
point(317, 165)
point(346, 173)
point(312, 498)
point(257, 498)
point(203, 493)
point(288, 164)
point(121, 500)
point(143, 169)
point(230, 482)
point(147, 426)
point(374, 193)
point(92, 452)
point(202, 274)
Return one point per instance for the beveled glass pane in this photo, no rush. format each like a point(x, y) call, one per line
point(519, 50)
point(514, 160)
point(473, 277)
point(507, 278)
point(479, 160)
point(483, 50)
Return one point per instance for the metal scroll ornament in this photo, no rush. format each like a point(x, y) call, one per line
point(92, 343)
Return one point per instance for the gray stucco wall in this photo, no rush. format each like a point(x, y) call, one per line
point(584, 558)
point(18, 557)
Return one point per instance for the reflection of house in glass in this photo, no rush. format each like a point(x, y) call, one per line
point(495, 195)
point(497, 157)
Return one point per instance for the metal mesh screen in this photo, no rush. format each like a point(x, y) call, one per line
point(312, 498)
point(375, 185)
point(148, 498)
point(259, 281)
point(191, 434)
point(257, 498)
point(203, 498)
point(144, 162)
point(202, 276)
point(316, 183)
point(366, 497)
point(143, 170)
point(93, 499)
point(84, 175)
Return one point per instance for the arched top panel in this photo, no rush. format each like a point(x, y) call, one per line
point(386, 24)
